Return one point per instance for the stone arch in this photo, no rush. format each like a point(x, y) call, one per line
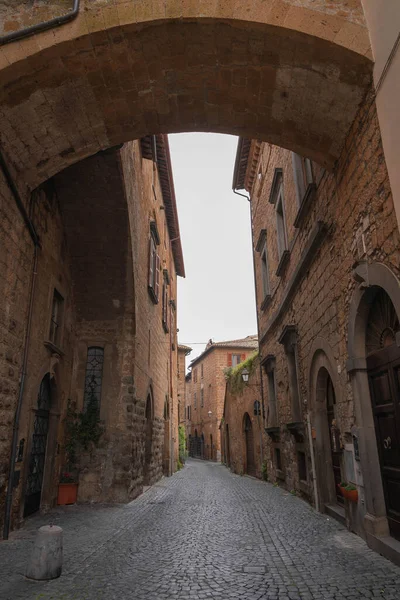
point(370, 278)
point(322, 370)
point(169, 67)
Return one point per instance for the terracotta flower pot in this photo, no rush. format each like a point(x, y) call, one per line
point(352, 495)
point(67, 493)
point(342, 490)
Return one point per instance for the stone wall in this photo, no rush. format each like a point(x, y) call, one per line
point(93, 221)
point(350, 219)
point(238, 403)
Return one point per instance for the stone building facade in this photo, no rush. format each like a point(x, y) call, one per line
point(90, 263)
point(206, 393)
point(243, 439)
point(327, 264)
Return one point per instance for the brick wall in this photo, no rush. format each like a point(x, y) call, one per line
point(354, 203)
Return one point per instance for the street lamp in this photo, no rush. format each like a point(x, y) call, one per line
point(245, 375)
point(209, 414)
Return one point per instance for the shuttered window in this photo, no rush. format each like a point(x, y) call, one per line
point(154, 269)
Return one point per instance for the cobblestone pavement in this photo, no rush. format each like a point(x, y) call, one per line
point(203, 533)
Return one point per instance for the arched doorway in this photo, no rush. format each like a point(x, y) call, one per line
point(383, 364)
point(148, 440)
point(250, 467)
point(335, 448)
point(37, 458)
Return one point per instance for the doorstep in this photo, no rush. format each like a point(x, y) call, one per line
point(385, 545)
point(337, 512)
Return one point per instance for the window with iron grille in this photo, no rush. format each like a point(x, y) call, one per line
point(303, 175)
point(202, 397)
point(93, 377)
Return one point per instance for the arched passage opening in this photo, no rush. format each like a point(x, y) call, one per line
point(374, 363)
point(290, 75)
point(250, 465)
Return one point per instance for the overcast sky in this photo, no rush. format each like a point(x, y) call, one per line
point(216, 300)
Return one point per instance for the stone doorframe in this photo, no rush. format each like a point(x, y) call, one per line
point(322, 365)
point(368, 276)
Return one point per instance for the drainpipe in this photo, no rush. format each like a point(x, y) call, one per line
point(32, 29)
point(248, 198)
point(35, 239)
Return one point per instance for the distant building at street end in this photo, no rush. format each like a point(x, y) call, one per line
point(206, 392)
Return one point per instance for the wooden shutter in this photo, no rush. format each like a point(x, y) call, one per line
point(151, 262)
point(229, 360)
point(242, 357)
point(157, 278)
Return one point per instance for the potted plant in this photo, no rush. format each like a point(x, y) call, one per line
point(342, 488)
point(67, 489)
point(81, 430)
point(352, 493)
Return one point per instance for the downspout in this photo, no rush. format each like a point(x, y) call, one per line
point(248, 198)
point(32, 29)
point(35, 239)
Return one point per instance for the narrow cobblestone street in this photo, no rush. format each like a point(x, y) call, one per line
point(204, 533)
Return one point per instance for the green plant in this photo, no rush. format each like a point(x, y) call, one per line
point(293, 492)
point(264, 470)
point(81, 429)
point(349, 487)
point(276, 484)
point(179, 465)
point(233, 375)
point(182, 445)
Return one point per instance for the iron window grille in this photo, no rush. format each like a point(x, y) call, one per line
point(93, 377)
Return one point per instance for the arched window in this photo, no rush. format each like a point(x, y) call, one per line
point(93, 377)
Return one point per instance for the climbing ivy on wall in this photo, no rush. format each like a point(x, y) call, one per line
point(233, 375)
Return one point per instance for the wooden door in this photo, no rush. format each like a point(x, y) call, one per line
point(248, 430)
point(384, 379)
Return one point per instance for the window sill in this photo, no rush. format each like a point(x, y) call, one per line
point(274, 433)
point(283, 262)
point(308, 197)
point(152, 295)
point(53, 348)
point(266, 301)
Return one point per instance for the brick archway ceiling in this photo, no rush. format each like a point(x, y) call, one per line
point(74, 98)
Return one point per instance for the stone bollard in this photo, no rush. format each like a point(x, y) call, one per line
point(47, 554)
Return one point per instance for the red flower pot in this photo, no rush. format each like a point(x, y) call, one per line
point(342, 490)
point(67, 493)
point(352, 495)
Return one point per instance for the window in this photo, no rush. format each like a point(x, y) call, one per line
point(303, 175)
point(280, 224)
point(188, 413)
point(195, 376)
point(56, 318)
point(195, 401)
point(288, 338)
point(302, 466)
point(154, 263)
point(93, 378)
point(202, 397)
point(165, 301)
point(235, 359)
point(202, 370)
point(264, 273)
point(269, 367)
